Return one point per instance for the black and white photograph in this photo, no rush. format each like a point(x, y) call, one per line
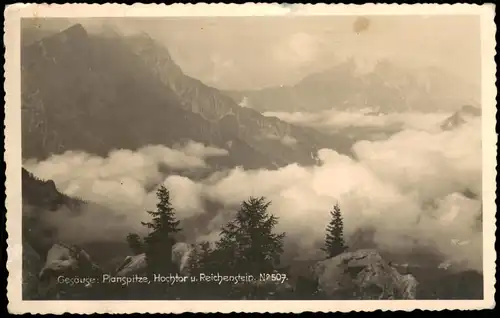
point(307, 157)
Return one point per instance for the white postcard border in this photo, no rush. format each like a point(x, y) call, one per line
point(15, 12)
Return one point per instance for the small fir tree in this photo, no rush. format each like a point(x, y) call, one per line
point(334, 240)
point(248, 244)
point(163, 227)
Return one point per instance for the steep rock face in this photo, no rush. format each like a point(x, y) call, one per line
point(191, 92)
point(92, 93)
point(77, 91)
point(98, 93)
point(263, 133)
point(362, 274)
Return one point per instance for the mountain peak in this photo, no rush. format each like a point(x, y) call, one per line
point(74, 34)
point(76, 30)
point(143, 38)
point(143, 44)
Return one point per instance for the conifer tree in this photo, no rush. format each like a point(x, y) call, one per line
point(248, 244)
point(334, 240)
point(200, 259)
point(163, 227)
point(135, 243)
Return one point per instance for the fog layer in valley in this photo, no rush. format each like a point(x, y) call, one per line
point(410, 187)
point(335, 120)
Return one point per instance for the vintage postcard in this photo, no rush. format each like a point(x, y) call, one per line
point(250, 158)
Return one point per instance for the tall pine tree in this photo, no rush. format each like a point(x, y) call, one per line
point(334, 241)
point(248, 244)
point(163, 227)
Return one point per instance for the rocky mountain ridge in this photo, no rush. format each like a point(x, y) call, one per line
point(94, 93)
point(387, 88)
point(40, 277)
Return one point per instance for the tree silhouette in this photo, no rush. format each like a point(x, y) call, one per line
point(248, 244)
point(135, 243)
point(163, 226)
point(334, 240)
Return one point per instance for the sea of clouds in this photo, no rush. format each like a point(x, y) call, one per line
point(334, 120)
point(408, 187)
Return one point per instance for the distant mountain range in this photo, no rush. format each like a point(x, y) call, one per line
point(387, 88)
point(99, 92)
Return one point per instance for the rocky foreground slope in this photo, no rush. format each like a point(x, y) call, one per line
point(362, 274)
point(358, 274)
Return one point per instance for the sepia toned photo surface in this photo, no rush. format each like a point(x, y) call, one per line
point(249, 157)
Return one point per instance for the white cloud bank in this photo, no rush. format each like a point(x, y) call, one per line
point(124, 179)
point(408, 187)
point(334, 120)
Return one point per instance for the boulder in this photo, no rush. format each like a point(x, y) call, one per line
point(137, 264)
point(68, 261)
point(362, 274)
point(133, 265)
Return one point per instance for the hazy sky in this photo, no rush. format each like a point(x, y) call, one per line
point(252, 52)
point(263, 51)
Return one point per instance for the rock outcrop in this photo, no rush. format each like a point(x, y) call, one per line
point(66, 261)
point(137, 264)
point(362, 274)
point(133, 265)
